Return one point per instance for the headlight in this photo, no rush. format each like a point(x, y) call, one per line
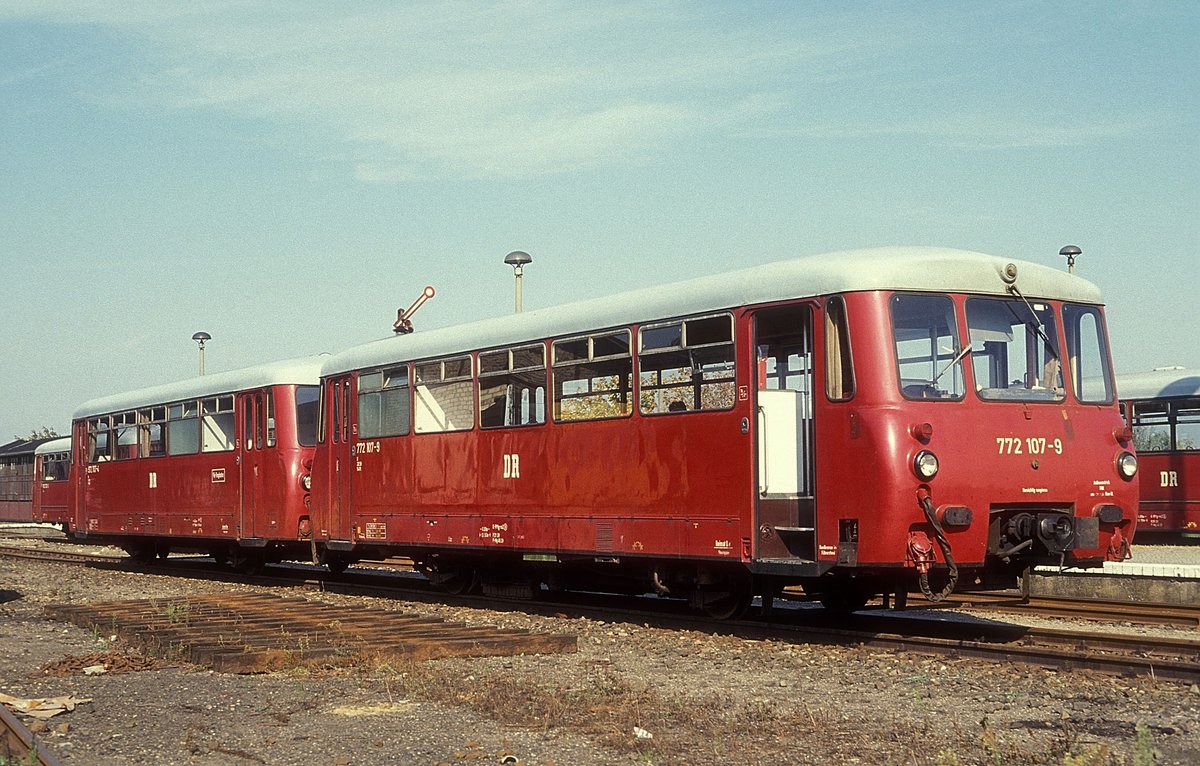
point(925, 465)
point(306, 482)
point(1127, 465)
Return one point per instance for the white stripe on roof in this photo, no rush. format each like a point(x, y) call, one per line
point(893, 268)
point(302, 372)
point(1160, 384)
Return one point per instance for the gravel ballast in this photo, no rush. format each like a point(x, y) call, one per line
point(631, 694)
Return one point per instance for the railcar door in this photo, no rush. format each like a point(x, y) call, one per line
point(785, 518)
point(252, 407)
point(343, 459)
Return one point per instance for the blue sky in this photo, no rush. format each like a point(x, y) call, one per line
point(284, 176)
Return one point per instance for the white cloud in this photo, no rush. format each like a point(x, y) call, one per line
point(513, 89)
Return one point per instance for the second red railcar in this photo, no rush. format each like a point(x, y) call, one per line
point(219, 463)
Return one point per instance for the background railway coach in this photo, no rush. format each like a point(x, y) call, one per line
point(17, 479)
point(847, 422)
point(1163, 408)
point(51, 486)
point(219, 463)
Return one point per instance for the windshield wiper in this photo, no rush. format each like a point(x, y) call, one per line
point(1036, 324)
point(957, 358)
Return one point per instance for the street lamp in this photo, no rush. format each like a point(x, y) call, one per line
point(1070, 252)
point(200, 338)
point(517, 259)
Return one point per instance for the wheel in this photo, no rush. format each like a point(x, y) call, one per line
point(456, 579)
point(248, 562)
point(335, 564)
point(844, 601)
point(728, 599)
point(164, 551)
point(140, 553)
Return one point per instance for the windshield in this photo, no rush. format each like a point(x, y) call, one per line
point(927, 350)
point(306, 415)
point(1091, 378)
point(1014, 350)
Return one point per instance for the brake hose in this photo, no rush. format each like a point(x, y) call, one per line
point(944, 544)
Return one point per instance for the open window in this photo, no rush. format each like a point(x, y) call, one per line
point(512, 387)
point(593, 377)
point(686, 365)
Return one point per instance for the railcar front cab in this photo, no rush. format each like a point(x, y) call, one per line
point(1051, 499)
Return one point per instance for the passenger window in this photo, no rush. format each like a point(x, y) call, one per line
point(383, 403)
point(593, 377)
point(99, 443)
point(151, 441)
point(126, 432)
point(687, 366)
point(183, 428)
point(443, 396)
point(512, 387)
point(217, 425)
point(839, 365)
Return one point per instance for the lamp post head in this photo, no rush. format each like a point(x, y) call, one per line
point(517, 259)
point(1070, 252)
point(200, 337)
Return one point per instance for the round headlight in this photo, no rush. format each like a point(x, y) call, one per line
point(925, 465)
point(1127, 465)
point(306, 482)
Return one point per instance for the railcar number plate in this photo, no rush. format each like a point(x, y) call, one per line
point(1030, 445)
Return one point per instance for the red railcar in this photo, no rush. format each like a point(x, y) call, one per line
point(219, 463)
point(17, 479)
point(847, 422)
point(51, 482)
point(1163, 408)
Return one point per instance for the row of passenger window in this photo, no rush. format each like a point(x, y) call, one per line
point(684, 366)
point(182, 428)
point(1165, 426)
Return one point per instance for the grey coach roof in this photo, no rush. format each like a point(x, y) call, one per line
point(892, 268)
point(54, 445)
point(1160, 384)
point(303, 371)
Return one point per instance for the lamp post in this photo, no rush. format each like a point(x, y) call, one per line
point(517, 259)
point(200, 338)
point(1070, 252)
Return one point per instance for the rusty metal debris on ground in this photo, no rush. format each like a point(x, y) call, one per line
point(99, 663)
point(259, 632)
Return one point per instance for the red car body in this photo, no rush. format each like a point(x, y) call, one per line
point(1163, 408)
point(218, 463)
point(794, 455)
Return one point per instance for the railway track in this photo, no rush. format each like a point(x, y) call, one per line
point(19, 746)
point(1112, 653)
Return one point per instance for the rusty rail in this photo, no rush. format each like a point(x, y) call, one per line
point(18, 743)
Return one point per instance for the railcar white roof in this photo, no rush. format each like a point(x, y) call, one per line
point(304, 371)
point(892, 268)
point(1159, 384)
point(57, 445)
